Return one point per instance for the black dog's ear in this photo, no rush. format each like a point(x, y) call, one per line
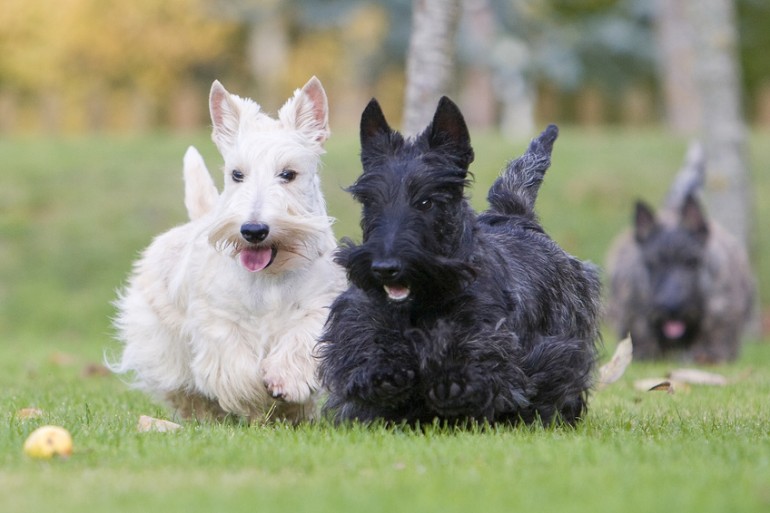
point(644, 222)
point(448, 128)
point(373, 122)
point(693, 220)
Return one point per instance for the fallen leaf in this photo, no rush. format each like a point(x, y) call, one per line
point(29, 413)
point(611, 371)
point(698, 377)
point(95, 370)
point(147, 424)
point(663, 386)
point(647, 384)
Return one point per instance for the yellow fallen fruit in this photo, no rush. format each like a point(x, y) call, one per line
point(48, 441)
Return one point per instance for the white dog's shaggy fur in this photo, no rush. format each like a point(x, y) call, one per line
point(214, 324)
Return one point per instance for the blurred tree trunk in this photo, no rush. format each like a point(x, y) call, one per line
point(267, 53)
point(723, 129)
point(430, 60)
point(676, 62)
point(515, 88)
point(478, 94)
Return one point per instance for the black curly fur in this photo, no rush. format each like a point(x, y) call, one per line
point(500, 324)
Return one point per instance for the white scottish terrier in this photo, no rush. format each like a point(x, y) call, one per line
point(221, 314)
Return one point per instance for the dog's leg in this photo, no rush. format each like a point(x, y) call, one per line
point(474, 378)
point(560, 370)
point(289, 368)
point(718, 344)
point(370, 373)
point(385, 384)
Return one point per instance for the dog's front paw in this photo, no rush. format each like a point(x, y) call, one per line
point(385, 388)
point(281, 384)
point(455, 395)
point(289, 391)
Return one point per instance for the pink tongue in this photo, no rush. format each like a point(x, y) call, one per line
point(256, 259)
point(673, 329)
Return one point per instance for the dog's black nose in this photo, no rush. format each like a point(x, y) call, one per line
point(386, 269)
point(256, 232)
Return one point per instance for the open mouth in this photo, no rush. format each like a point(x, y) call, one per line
point(673, 329)
point(397, 292)
point(255, 258)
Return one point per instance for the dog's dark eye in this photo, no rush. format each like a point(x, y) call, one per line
point(237, 176)
point(424, 205)
point(287, 175)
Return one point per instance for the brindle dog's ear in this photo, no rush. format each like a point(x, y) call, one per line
point(693, 220)
point(645, 222)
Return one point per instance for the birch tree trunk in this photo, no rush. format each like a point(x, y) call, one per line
point(477, 96)
point(267, 51)
point(676, 64)
point(723, 129)
point(430, 61)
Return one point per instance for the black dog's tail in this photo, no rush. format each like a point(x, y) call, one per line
point(689, 180)
point(515, 192)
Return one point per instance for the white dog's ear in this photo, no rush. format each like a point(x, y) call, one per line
point(225, 116)
point(200, 193)
point(308, 111)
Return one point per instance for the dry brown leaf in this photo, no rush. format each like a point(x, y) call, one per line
point(611, 371)
point(698, 377)
point(95, 370)
point(661, 385)
point(29, 413)
point(147, 424)
point(647, 384)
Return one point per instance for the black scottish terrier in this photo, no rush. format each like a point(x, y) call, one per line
point(679, 283)
point(450, 315)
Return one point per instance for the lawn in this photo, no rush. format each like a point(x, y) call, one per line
point(75, 212)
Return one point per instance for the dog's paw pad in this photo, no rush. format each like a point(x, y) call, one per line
point(382, 387)
point(444, 391)
point(275, 391)
point(286, 391)
point(455, 396)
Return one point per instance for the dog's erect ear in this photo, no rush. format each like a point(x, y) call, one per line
point(448, 129)
point(693, 220)
point(308, 111)
point(200, 193)
point(644, 222)
point(225, 116)
point(373, 122)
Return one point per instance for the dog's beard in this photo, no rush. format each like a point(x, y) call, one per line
point(292, 242)
point(426, 278)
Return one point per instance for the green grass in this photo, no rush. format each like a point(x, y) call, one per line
point(73, 215)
